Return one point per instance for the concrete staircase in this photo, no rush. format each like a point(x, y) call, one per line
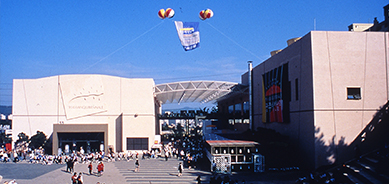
point(159, 171)
point(370, 168)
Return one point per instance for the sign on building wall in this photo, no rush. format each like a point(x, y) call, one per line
point(82, 96)
point(275, 93)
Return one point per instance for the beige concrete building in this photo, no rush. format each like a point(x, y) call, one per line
point(321, 90)
point(92, 111)
point(99, 112)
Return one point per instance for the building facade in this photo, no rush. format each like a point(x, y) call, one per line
point(96, 112)
point(321, 91)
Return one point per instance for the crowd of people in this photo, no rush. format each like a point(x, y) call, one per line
point(188, 150)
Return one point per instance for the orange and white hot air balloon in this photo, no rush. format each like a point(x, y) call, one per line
point(161, 13)
point(208, 13)
point(202, 15)
point(169, 13)
point(205, 14)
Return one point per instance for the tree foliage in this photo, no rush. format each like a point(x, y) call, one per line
point(22, 137)
point(179, 131)
point(37, 140)
point(4, 138)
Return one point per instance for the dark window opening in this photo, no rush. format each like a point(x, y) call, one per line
point(231, 109)
point(353, 93)
point(137, 143)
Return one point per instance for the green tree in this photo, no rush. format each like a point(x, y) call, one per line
point(204, 111)
point(4, 138)
point(22, 137)
point(179, 131)
point(37, 140)
point(214, 110)
point(165, 126)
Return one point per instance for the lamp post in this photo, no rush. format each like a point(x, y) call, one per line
point(250, 63)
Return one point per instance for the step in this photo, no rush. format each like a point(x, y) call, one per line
point(367, 173)
point(339, 177)
point(370, 159)
point(351, 178)
point(355, 174)
point(382, 177)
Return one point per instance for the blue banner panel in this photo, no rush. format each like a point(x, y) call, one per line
point(189, 34)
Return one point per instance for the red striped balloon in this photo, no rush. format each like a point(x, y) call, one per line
point(208, 13)
point(169, 13)
point(202, 15)
point(161, 13)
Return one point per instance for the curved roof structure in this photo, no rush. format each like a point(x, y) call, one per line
point(192, 91)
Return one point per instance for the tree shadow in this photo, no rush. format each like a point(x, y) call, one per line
point(375, 134)
point(328, 152)
point(337, 151)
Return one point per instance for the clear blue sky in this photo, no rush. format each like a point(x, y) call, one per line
point(127, 39)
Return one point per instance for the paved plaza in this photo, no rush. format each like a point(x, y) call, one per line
point(151, 171)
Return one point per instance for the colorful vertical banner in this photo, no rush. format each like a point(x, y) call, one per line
point(273, 95)
point(189, 34)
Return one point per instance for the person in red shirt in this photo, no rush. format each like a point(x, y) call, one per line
point(100, 168)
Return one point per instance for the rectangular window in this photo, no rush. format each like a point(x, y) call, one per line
point(137, 143)
point(230, 109)
point(353, 93)
point(246, 107)
point(238, 109)
point(296, 82)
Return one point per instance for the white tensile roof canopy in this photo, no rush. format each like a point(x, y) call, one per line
point(192, 91)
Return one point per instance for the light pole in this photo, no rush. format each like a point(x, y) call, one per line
point(250, 63)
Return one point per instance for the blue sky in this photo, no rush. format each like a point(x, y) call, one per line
point(127, 39)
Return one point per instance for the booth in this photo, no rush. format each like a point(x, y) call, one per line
point(227, 155)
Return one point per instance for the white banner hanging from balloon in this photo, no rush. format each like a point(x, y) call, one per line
point(189, 34)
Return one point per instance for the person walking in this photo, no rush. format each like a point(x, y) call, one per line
point(67, 160)
point(100, 168)
point(136, 165)
point(198, 179)
point(90, 168)
point(80, 179)
point(74, 178)
point(180, 169)
point(71, 164)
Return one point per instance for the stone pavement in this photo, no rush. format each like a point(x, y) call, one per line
point(26, 173)
point(151, 171)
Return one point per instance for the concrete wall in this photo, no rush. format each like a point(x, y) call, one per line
point(341, 60)
point(322, 121)
point(85, 99)
point(300, 128)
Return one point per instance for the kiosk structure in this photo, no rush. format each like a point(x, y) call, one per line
point(227, 155)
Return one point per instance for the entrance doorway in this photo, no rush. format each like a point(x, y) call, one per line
point(89, 142)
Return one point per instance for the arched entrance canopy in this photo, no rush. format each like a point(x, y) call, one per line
point(192, 91)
